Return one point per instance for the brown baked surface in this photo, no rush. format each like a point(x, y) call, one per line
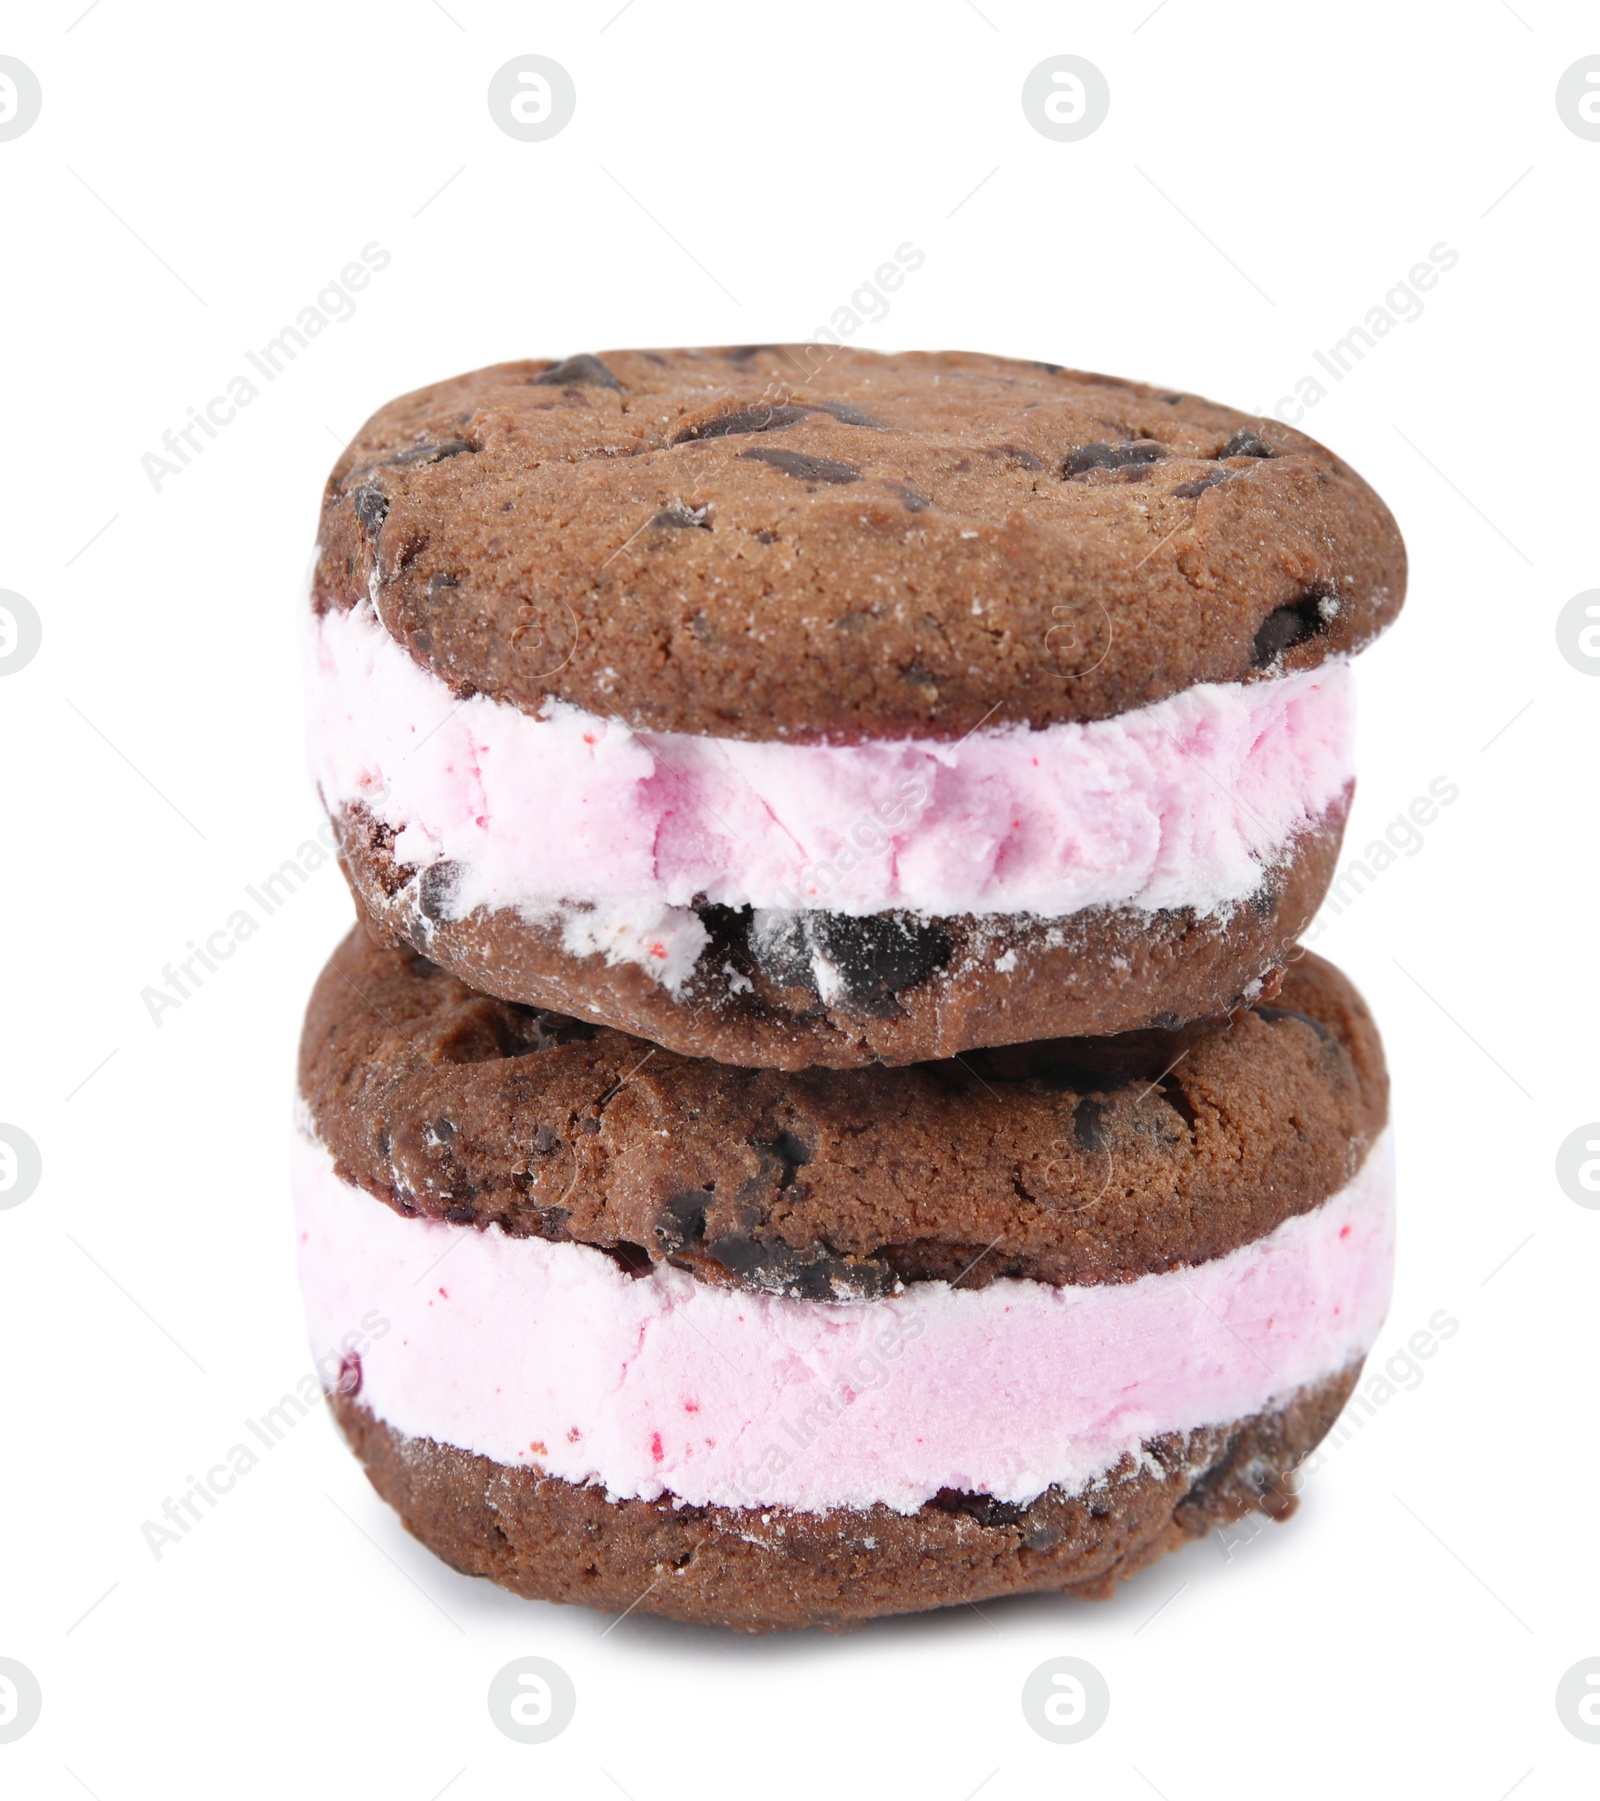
point(767, 1568)
point(912, 988)
point(804, 542)
point(1075, 1160)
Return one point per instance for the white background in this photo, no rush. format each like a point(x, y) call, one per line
point(733, 173)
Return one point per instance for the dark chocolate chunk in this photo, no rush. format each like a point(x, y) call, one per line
point(1127, 455)
point(790, 1153)
point(873, 958)
point(1017, 454)
point(1272, 1014)
point(985, 1509)
point(815, 1273)
point(802, 467)
point(577, 372)
point(546, 1140)
point(749, 419)
point(781, 948)
point(846, 414)
point(372, 508)
point(1286, 626)
point(429, 453)
point(1190, 490)
point(1246, 443)
point(683, 1220)
point(1088, 1124)
point(909, 498)
point(878, 955)
point(436, 889)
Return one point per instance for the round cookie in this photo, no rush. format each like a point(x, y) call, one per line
point(773, 1568)
point(793, 704)
point(784, 542)
point(773, 1348)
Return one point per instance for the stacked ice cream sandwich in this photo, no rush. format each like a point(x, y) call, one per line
point(823, 1114)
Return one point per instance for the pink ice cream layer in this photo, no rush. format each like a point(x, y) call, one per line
point(549, 1356)
point(1177, 804)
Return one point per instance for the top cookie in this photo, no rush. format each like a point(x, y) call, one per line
point(812, 543)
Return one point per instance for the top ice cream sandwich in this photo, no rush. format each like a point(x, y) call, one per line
point(797, 705)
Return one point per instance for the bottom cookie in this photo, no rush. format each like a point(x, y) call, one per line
point(902, 988)
point(764, 1569)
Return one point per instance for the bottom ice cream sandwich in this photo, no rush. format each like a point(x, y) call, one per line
point(769, 1349)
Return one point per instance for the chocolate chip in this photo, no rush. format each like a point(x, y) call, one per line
point(910, 499)
point(1129, 454)
point(372, 508)
point(878, 956)
point(1286, 626)
point(683, 1220)
point(546, 1140)
point(1246, 443)
point(873, 959)
point(742, 353)
point(815, 1273)
point(781, 947)
point(985, 1509)
point(577, 372)
point(766, 537)
point(847, 414)
point(802, 467)
point(1189, 490)
point(681, 518)
point(439, 1131)
point(1017, 454)
point(749, 419)
point(789, 1152)
point(440, 584)
point(436, 889)
point(1273, 1014)
point(429, 453)
point(1088, 1124)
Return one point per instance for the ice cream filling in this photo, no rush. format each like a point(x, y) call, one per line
point(552, 1357)
point(615, 835)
